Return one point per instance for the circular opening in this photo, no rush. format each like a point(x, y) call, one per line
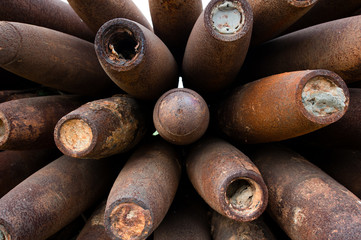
point(321, 97)
point(227, 17)
point(75, 135)
point(240, 194)
point(122, 45)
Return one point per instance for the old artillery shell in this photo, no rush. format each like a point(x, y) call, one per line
point(173, 22)
point(334, 46)
point(143, 192)
point(101, 128)
point(135, 59)
point(270, 18)
point(227, 180)
point(306, 202)
point(53, 197)
point(15, 166)
point(217, 45)
point(181, 116)
point(55, 14)
point(97, 12)
point(224, 228)
point(53, 59)
point(283, 106)
point(94, 228)
point(29, 123)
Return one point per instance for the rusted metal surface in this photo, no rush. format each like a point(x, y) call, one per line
point(97, 12)
point(217, 46)
point(55, 14)
point(52, 197)
point(224, 228)
point(325, 11)
point(53, 59)
point(181, 116)
point(143, 192)
point(29, 123)
point(227, 180)
point(135, 59)
point(101, 128)
point(270, 18)
point(283, 106)
point(173, 21)
point(94, 228)
point(306, 202)
point(334, 46)
point(15, 166)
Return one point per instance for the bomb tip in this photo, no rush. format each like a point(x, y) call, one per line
point(10, 42)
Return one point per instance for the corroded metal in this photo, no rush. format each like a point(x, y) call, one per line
point(181, 116)
point(55, 14)
point(29, 123)
point(135, 59)
point(143, 192)
point(97, 12)
point(53, 59)
point(334, 46)
point(224, 228)
point(227, 180)
point(283, 106)
point(15, 166)
point(101, 128)
point(306, 202)
point(173, 21)
point(52, 197)
point(270, 18)
point(217, 45)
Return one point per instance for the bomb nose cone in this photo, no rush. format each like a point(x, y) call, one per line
point(10, 42)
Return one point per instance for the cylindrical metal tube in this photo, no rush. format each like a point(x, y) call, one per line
point(333, 46)
point(227, 180)
point(283, 106)
point(97, 12)
point(224, 228)
point(173, 22)
point(270, 18)
point(54, 14)
point(143, 192)
point(181, 116)
point(135, 59)
point(52, 197)
point(94, 228)
point(101, 128)
point(29, 123)
point(53, 59)
point(15, 166)
point(217, 45)
point(306, 202)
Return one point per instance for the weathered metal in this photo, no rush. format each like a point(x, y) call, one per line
point(15, 166)
point(52, 197)
point(283, 106)
point(224, 228)
point(227, 180)
point(135, 59)
point(271, 18)
point(305, 201)
point(181, 116)
point(101, 128)
point(217, 46)
point(55, 14)
point(173, 21)
point(334, 46)
point(143, 192)
point(97, 12)
point(94, 228)
point(53, 59)
point(29, 123)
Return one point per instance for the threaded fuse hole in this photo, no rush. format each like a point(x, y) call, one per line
point(122, 45)
point(240, 194)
